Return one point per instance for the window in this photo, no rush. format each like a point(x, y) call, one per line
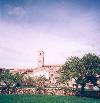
point(51, 75)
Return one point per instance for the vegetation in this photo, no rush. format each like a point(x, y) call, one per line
point(41, 81)
point(83, 70)
point(35, 81)
point(45, 99)
point(9, 81)
point(29, 81)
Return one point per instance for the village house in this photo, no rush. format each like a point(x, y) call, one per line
point(49, 71)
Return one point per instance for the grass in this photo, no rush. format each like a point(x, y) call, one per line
point(45, 99)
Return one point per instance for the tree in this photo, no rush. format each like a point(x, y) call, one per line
point(6, 78)
point(18, 78)
point(91, 63)
point(83, 70)
point(71, 69)
point(9, 81)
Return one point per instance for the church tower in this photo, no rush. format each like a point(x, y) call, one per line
point(40, 59)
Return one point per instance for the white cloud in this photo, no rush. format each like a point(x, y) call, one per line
point(16, 11)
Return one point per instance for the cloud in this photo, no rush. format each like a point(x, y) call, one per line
point(16, 11)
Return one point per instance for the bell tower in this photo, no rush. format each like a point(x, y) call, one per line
point(40, 59)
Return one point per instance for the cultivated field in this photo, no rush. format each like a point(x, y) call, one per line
point(45, 99)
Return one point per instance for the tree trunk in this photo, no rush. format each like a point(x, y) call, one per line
point(82, 90)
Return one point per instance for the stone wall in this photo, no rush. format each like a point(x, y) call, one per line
point(49, 91)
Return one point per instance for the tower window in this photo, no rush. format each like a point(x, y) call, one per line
point(51, 75)
point(40, 53)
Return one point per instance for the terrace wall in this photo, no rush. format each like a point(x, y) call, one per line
point(49, 91)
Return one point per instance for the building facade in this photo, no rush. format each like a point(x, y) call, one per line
point(48, 71)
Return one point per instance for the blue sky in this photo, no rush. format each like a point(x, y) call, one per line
point(61, 28)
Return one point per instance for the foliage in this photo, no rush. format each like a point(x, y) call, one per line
point(9, 81)
point(72, 68)
point(29, 81)
point(83, 70)
point(91, 63)
point(17, 78)
point(40, 81)
point(6, 76)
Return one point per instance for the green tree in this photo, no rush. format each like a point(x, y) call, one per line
point(83, 70)
point(91, 63)
point(9, 81)
point(18, 78)
point(72, 68)
point(6, 78)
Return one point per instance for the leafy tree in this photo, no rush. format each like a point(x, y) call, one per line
point(70, 69)
point(9, 81)
point(91, 63)
point(6, 78)
point(83, 70)
point(18, 78)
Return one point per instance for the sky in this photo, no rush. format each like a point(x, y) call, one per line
point(60, 28)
